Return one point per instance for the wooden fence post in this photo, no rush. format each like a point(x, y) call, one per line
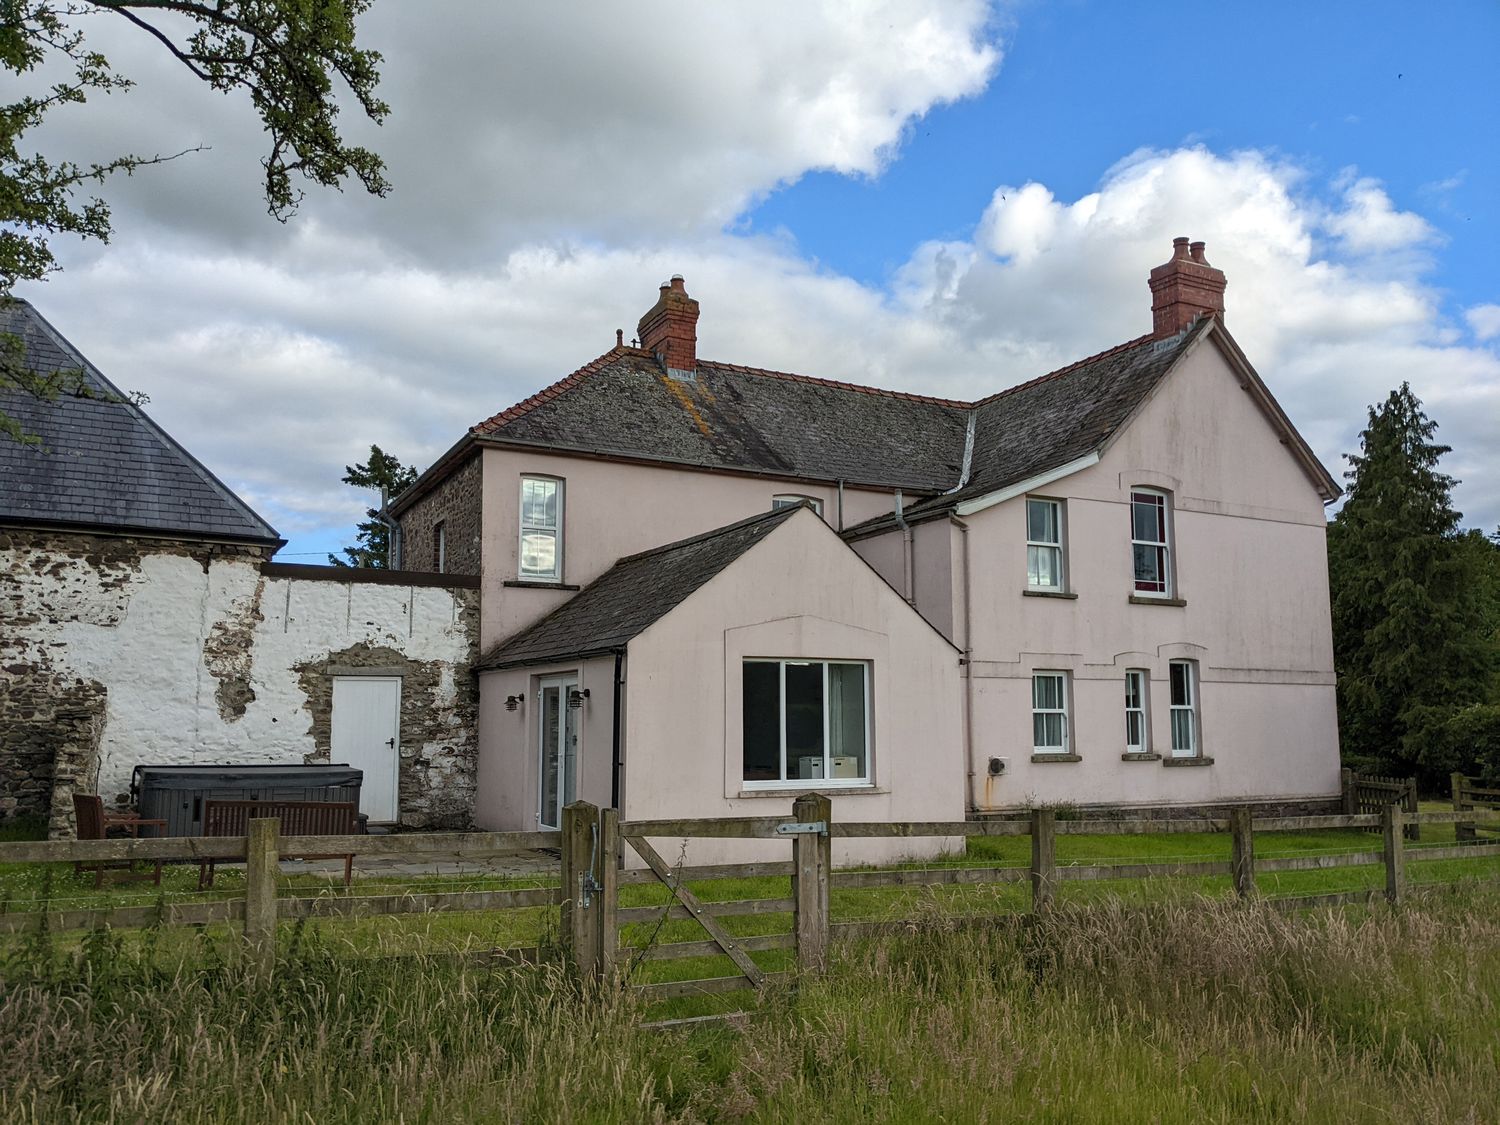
point(812, 864)
point(1460, 831)
point(609, 890)
point(1242, 851)
point(1043, 858)
point(262, 854)
point(580, 899)
point(1347, 790)
point(1391, 823)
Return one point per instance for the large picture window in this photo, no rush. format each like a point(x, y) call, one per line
point(1049, 713)
point(541, 529)
point(1150, 543)
point(806, 722)
point(1044, 544)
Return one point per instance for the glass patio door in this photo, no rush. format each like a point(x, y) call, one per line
point(558, 749)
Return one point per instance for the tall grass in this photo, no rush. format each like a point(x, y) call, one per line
point(1209, 1011)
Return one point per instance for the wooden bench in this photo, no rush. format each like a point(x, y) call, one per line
point(298, 818)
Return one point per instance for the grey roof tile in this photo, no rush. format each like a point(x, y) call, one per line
point(101, 461)
point(633, 594)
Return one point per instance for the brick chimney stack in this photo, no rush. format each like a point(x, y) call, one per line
point(1184, 289)
point(670, 329)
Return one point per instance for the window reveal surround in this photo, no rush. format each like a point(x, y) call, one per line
point(1138, 717)
point(1051, 733)
point(1183, 679)
point(440, 546)
point(1151, 543)
point(1045, 561)
point(805, 723)
point(540, 552)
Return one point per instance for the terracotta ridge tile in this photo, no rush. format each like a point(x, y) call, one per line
point(548, 393)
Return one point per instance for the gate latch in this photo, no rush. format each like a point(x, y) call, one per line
point(796, 828)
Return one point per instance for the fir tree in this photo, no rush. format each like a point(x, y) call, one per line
point(372, 544)
point(1408, 609)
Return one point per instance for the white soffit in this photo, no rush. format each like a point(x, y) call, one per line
point(990, 499)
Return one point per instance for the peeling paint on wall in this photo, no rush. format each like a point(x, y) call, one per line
point(117, 652)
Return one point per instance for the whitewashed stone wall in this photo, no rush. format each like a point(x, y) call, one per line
point(119, 652)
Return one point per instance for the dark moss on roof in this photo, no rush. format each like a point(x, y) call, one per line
point(744, 419)
point(632, 595)
point(101, 462)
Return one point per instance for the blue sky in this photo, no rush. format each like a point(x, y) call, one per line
point(945, 196)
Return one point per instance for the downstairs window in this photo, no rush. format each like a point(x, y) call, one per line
point(806, 721)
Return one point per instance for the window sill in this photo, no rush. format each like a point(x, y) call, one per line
point(856, 790)
point(1056, 758)
point(1135, 599)
point(1142, 757)
point(540, 585)
point(1049, 594)
point(1195, 761)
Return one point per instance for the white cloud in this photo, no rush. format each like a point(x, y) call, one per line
point(1484, 321)
point(552, 173)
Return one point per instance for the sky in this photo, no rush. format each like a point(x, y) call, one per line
point(945, 197)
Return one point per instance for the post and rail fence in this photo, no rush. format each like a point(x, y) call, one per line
point(1369, 793)
point(1469, 795)
point(593, 843)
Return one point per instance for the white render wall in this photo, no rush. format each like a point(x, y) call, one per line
point(207, 661)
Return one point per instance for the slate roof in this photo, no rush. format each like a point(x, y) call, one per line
point(632, 595)
point(101, 462)
point(743, 418)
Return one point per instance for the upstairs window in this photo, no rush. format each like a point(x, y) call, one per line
point(541, 529)
point(1184, 709)
point(791, 501)
point(440, 546)
point(1044, 544)
point(806, 721)
point(1049, 713)
point(1150, 543)
point(1137, 723)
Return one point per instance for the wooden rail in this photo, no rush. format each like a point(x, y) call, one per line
point(591, 844)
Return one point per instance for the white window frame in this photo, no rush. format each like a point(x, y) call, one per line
point(791, 500)
point(1187, 708)
point(1141, 680)
point(1042, 545)
point(440, 545)
point(826, 781)
point(1064, 696)
point(1163, 501)
point(556, 573)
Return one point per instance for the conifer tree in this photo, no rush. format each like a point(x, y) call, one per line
point(372, 544)
point(1408, 610)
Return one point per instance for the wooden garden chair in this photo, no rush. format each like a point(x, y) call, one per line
point(94, 823)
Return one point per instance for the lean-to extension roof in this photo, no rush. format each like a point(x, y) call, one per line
point(632, 595)
point(100, 462)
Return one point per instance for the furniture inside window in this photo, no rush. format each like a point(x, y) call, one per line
point(1184, 709)
point(541, 529)
point(1049, 713)
point(1150, 543)
point(1137, 724)
point(791, 501)
point(806, 722)
point(1044, 544)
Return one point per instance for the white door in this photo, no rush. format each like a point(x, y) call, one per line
point(367, 735)
point(557, 738)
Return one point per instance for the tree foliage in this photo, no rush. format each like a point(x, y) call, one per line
point(1414, 655)
point(388, 477)
point(285, 54)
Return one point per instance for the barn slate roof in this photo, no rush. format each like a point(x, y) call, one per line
point(101, 462)
point(632, 595)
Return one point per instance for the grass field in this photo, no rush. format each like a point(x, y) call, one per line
point(1200, 1011)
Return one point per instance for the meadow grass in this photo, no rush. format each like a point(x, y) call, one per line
point(1200, 1011)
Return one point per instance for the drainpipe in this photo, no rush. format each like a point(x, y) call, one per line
point(968, 663)
point(907, 565)
point(614, 792)
point(392, 540)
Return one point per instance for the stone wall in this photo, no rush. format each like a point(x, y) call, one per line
point(454, 502)
point(117, 652)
